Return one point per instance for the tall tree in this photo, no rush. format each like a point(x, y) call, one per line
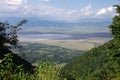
point(9, 39)
point(8, 35)
point(115, 30)
point(115, 26)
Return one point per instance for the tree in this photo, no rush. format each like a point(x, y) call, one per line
point(115, 26)
point(115, 30)
point(8, 35)
point(9, 39)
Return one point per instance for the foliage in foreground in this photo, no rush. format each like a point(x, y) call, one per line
point(10, 71)
point(8, 40)
point(48, 71)
point(8, 36)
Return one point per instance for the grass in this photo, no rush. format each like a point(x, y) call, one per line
point(48, 71)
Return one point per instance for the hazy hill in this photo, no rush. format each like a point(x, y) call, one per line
point(36, 22)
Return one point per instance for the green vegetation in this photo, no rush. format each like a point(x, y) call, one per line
point(36, 53)
point(8, 36)
point(8, 40)
point(48, 71)
point(96, 64)
point(10, 71)
point(115, 26)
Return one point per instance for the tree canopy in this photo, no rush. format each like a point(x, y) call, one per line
point(8, 40)
point(8, 35)
point(115, 26)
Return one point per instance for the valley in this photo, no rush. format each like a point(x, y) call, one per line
point(80, 44)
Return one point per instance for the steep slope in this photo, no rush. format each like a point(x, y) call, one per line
point(100, 63)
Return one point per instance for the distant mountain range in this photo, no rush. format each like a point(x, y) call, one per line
point(36, 22)
point(80, 29)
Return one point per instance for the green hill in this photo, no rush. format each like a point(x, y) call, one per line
point(37, 52)
point(101, 63)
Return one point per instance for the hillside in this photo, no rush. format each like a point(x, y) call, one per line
point(100, 63)
point(37, 52)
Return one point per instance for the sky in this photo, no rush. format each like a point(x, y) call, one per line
point(58, 10)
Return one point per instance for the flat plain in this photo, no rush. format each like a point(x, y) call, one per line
point(80, 44)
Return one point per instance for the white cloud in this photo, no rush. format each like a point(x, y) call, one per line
point(110, 9)
point(87, 11)
point(22, 8)
point(44, 0)
point(12, 7)
point(62, 14)
point(13, 2)
point(104, 11)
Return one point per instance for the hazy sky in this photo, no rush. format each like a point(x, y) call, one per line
point(64, 10)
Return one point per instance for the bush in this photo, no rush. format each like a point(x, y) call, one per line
point(10, 71)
